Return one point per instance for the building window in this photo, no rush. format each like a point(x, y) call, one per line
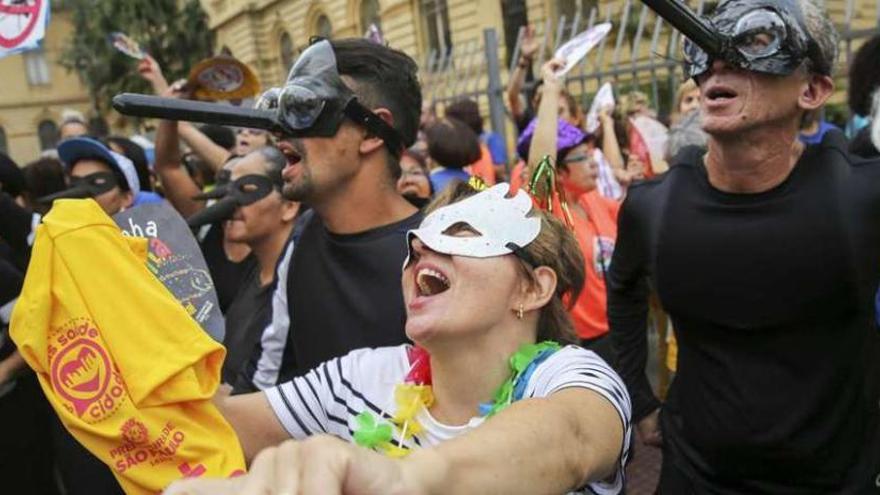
point(370, 15)
point(286, 51)
point(515, 17)
point(4, 146)
point(36, 68)
point(435, 19)
point(323, 28)
point(48, 134)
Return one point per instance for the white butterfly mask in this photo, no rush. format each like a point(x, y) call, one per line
point(501, 225)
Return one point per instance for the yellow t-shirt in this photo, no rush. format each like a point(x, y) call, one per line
point(128, 371)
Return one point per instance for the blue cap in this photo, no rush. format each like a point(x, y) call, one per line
point(73, 150)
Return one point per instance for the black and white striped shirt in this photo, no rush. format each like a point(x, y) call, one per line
point(328, 398)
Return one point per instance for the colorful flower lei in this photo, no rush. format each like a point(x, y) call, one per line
point(416, 393)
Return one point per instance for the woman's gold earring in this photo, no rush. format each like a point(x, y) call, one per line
point(519, 312)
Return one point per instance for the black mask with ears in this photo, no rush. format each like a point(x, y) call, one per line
point(245, 190)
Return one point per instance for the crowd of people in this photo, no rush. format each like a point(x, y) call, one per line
point(413, 306)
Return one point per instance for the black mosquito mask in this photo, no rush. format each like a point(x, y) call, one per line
point(763, 36)
point(314, 101)
point(243, 191)
point(88, 186)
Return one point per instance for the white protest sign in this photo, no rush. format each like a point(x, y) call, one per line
point(22, 24)
point(604, 98)
point(575, 49)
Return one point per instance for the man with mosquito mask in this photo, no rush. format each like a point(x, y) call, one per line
point(345, 114)
point(763, 251)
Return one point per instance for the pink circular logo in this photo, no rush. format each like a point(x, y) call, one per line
point(81, 373)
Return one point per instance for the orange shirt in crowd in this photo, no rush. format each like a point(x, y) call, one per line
point(596, 234)
point(484, 167)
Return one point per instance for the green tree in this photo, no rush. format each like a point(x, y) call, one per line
point(174, 32)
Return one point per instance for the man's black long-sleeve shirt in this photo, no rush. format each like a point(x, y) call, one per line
point(772, 299)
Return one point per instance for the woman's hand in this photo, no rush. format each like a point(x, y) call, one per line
point(549, 70)
point(319, 465)
point(150, 70)
point(529, 45)
point(635, 167)
point(605, 114)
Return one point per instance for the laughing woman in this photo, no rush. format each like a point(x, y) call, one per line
point(491, 399)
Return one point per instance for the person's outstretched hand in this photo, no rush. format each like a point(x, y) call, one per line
point(529, 45)
point(320, 465)
point(549, 69)
point(150, 70)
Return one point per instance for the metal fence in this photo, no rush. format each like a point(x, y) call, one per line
point(641, 52)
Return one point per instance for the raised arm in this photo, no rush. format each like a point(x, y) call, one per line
point(209, 151)
point(527, 50)
point(544, 139)
point(610, 145)
point(178, 185)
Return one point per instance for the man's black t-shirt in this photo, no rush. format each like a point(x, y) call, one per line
point(246, 318)
point(343, 293)
point(227, 275)
point(772, 299)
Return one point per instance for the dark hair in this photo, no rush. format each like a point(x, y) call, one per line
point(418, 156)
point(467, 111)
point(138, 157)
point(275, 163)
point(383, 77)
point(43, 177)
point(864, 76)
point(556, 248)
point(223, 137)
point(11, 179)
point(452, 144)
point(422, 162)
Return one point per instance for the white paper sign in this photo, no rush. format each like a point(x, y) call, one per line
point(604, 98)
point(655, 135)
point(22, 24)
point(575, 49)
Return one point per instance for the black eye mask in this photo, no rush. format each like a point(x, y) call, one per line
point(766, 36)
point(88, 186)
point(243, 191)
point(314, 101)
point(763, 36)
